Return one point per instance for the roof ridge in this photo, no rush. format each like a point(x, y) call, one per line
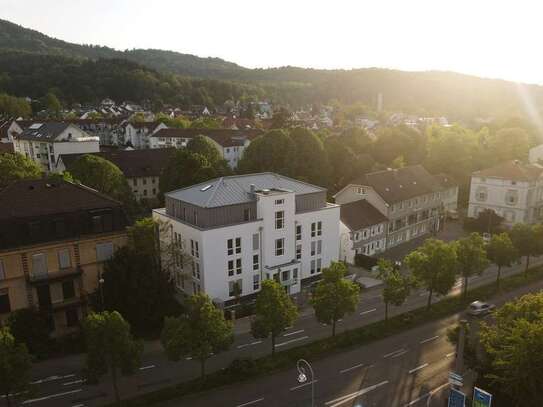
point(215, 187)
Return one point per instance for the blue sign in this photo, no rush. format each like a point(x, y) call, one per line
point(481, 398)
point(456, 398)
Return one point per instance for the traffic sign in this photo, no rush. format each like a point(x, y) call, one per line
point(456, 398)
point(456, 379)
point(481, 398)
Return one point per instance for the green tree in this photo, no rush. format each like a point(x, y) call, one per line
point(311, 163)
point(274, 312)
point(200, 333)
point(184, 168)
point(524, 239)
point(281, 119)
point(396, 288)
point(110, 347)
point(334, 296)
point(11, 106)
point(15, 365)
point(205, 123)
point(501, 251)
point(52, 104)
point(434, 266)
point(508, 144)
point(471, 256)
point(15, 167)
point(206, 148)
point(513, 346)
point(32, 328)
point(272, 151)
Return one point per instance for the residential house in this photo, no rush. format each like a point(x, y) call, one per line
point(240, 230)
point(362, 230)
point(137, 134)
point(513, 190)
point(142, 168)
point(45, 142)
point(409, 197)
point(230, 143)
point(54, 239)
point(449, 194)
point(9, 129)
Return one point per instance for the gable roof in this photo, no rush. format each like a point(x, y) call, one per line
point(397, 185)
point(360, 214)
point(512, 170)
point(5, 126)
point(43, 131)
point(41, 197)
point(446, 181)
point(236, 189)
point(133, 163)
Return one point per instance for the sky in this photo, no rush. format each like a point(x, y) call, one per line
point(497, 39)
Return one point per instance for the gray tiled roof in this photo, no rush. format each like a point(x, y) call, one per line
point(46, 132)
point(236, 189)
point(361, 214)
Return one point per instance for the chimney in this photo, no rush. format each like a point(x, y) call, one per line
point(252, 188)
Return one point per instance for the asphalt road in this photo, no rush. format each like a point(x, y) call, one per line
point(59, 382)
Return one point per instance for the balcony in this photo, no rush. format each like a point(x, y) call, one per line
point(54, 276)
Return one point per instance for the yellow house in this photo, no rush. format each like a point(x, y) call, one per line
point(54, 239)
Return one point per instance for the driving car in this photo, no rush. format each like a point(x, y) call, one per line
point(477, 308)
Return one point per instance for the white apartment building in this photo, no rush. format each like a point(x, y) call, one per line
point(240, 230)
point(410, 198)
point(513, 190)
point(229, 143)
point(138, 134)
point(45, 142)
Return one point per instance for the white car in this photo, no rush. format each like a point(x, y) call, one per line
point(477, 308)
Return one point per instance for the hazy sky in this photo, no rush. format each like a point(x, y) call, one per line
point(491, 38)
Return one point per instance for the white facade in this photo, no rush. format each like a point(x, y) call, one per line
point(139, 134)
point(280, 243)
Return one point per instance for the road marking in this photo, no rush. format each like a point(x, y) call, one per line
point(397, 355)
point(147, 367)
point(433, 338)
point(51, 378)
point(249, 344)
point(351, 368)
point(368, 311)
point(393, 353)
point(448, 355)
point(52, 396)
point(303, 385)
point(251, 402)
point(78, 405)
point(345, 399)
point(74, 382)
point(294, 333)
point(416, 369)
point(292, 340)
point(426, 395)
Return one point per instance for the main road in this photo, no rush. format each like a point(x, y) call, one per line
point(60, 383)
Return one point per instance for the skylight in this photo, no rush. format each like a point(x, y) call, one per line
point(206, 188)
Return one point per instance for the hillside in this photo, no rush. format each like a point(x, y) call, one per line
point(32, 63)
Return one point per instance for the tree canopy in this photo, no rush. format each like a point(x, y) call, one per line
point(15, 364)
point(396, 287)
point(15, 167)
point(471, 257)
point(501, 251)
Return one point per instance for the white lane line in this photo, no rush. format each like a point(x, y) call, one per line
point(250, 402)
point(393, 353)
point(448, 355)
point(345, 399)
point(74, 382)
point(294, 333)
point(292, 340)
point(147, 367)
point(433, 338)
point(368, 311)
point(351, 368)
point(397, 355)
point(51, 378)
point(248, 344)
point(426, 395)
point(303, 385)
point(416, 369)
point(52, 396)
point(78, 405)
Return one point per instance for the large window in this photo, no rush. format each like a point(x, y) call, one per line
point(238, 245)
point(256, 241)
point(298, 232)
point(279, 247)
point(312, 271)
point(39, 264)
point(68, 289)
point(194, 250)
point(64, 258)
point(5, 305)
point(104, 251)
point(230, 268)
point(230, 247)
point(238, 266)
point(316, 229)
point(279, 219)
point(256, 282)
point(256, 263)
point(298, 252)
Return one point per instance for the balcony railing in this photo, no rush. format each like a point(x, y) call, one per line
point(53, 276)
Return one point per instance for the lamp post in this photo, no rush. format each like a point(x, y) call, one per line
point(303, 366)
point(100, 285)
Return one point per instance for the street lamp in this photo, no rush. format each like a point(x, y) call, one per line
point(303, 366)
point(100, 286)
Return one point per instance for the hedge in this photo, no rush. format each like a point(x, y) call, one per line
point(247, 368)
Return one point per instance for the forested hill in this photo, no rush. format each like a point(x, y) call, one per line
point(32, 63)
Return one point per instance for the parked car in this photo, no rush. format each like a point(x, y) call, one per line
point(478, 308)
